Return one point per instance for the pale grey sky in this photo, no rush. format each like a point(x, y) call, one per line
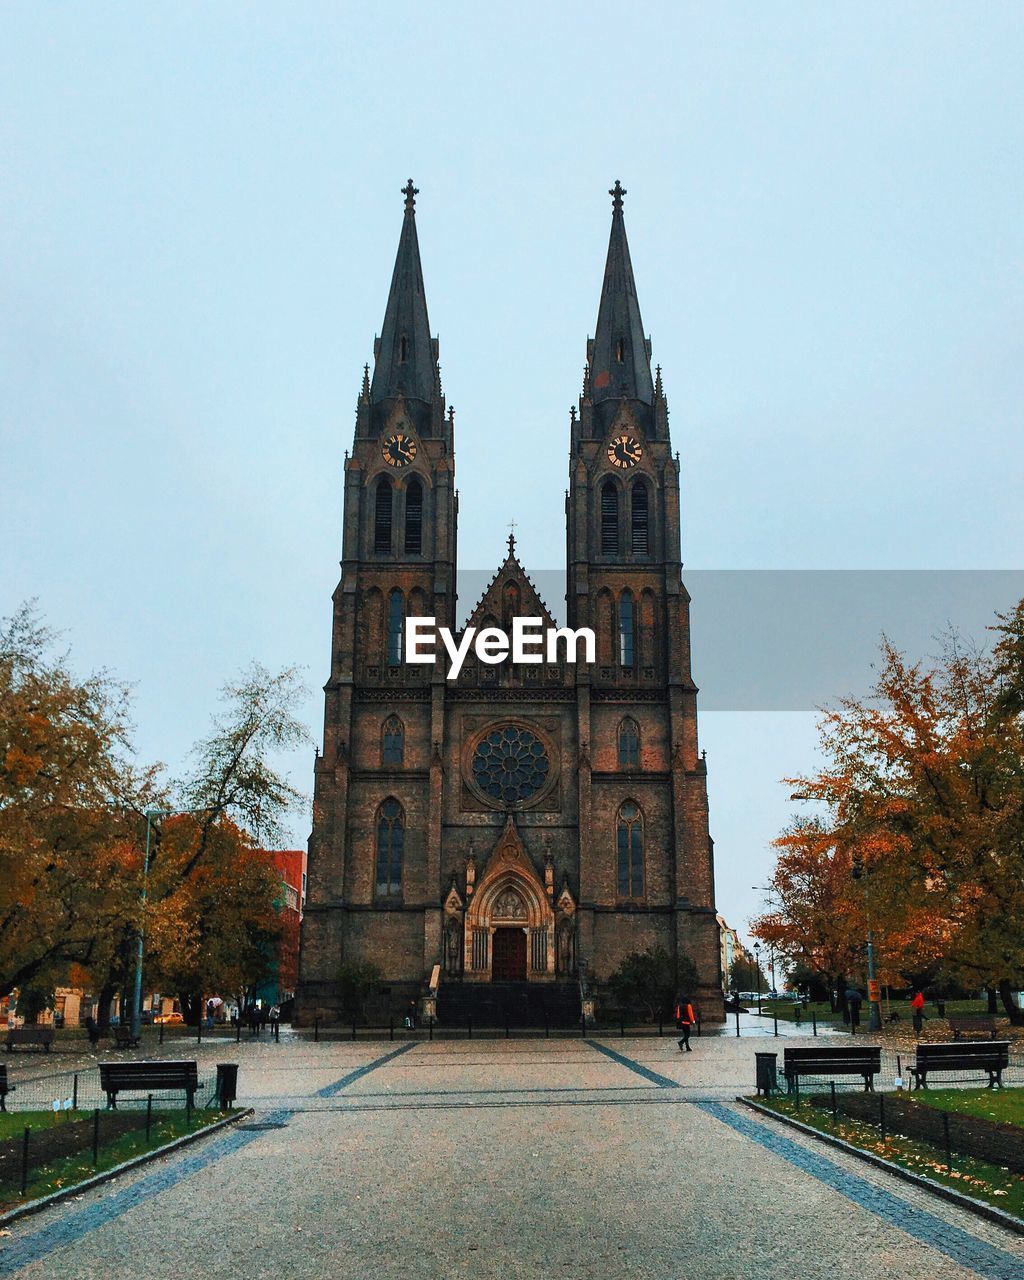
point(199, 209)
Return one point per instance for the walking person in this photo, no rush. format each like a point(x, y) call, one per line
point(685, 1018)
point(917, 1004)
point(854, 999)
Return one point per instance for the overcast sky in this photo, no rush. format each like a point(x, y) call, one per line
point(199, 209)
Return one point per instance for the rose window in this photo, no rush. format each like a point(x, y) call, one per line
point(510, 764)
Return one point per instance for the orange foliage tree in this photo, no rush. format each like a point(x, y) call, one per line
point(924, 787)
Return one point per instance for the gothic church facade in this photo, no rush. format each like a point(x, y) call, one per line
point(523, 824)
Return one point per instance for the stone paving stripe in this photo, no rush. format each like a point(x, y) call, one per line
point(663, 1082)
point(966, 1250)
point(71, 1228)
point(329, 1090)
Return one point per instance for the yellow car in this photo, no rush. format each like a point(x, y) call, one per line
point(169, 1019)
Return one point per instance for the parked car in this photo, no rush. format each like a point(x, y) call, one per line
point(169, 1019)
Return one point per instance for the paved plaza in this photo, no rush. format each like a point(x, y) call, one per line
point(601, 1157)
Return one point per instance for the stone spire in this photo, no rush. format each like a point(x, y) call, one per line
point(405, 356)
point(618, 354)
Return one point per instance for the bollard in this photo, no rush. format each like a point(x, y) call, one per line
point(622, 1028)
point(775, 1019)
point(149, 1115)
point(469, 1026)
point(391, 1029)
point(238, 1031)
point(353, 1028)
point(316, 1030)
point(737, 1022)
point(506, 1027)
point(945, 1134)
point(832, 1086)
point(661, 1027)
point(95, 1137)
point(881, 1114)
point(188, 1110)
point(74, 1093)
point(814, 1021)
point(24, 1162)
point(583, 1024)
point(430, 1028)
point(277, 1031)
point(199, 1028)
point(546, 1028)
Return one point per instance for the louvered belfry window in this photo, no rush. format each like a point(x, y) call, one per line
point(641, 539)
point(382, 518)
point(609, 520)
point(414, 518)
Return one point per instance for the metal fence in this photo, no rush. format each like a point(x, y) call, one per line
point(895, 1075)
point(81, 1091)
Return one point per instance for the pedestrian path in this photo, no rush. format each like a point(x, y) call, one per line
point(597, 1158)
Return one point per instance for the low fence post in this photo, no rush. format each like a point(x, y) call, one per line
point(353, 1028)
point(507, 1032)
point(238, 1031)
point(199, 1028)
point(188, 1109)
point(814, 1021)
point(24, 1161)
point(775, 1019)
point(832, 1087)
point(945, 1134)
point(547, 1030)
point(391, 1029)
point(149, 1115)
point(661, 1025)
point(95, 1137)
point(737, 1021)
point(469, 1026)
point(430, 1027)
point(277, 1031)
point(622, 1027)
point(74, 1093)
point(161, 1033)
point(316, 1030)
point(881, 1114)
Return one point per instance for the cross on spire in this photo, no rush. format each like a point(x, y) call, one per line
point(512, 537)
point(616, 193)
point(410, 192)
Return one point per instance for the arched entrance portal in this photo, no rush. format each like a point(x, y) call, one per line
point(510, 924)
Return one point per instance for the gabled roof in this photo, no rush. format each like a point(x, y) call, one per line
point(618, 355)
point(492, 602)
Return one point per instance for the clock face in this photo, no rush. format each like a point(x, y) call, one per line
point(624, 451)
point(398, 449)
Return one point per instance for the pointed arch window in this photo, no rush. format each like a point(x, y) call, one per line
point(627, 630)
point(382, 517)
point(609, 519)
point(396, 627)
point(629, 744)
point(414, 517)
point(640, 542)
point(392, 747)
point(390, 848)
point(403, 349)
point(620, 350)
point(630, 851)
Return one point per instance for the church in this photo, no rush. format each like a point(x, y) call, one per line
point(514, 833)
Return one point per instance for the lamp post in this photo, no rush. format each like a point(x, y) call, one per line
point(757, 973)
point(151, 812)
point(874, 1005)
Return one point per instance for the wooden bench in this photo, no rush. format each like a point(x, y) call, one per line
point(993, 1058)
point(30, 1035)
point(5, 1088)
point(864, 1061)
point(148, 1077)
point(123, 1038)
point(965, 1025)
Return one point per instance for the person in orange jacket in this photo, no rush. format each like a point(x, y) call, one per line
point(685, 1018)
point(917, 1004)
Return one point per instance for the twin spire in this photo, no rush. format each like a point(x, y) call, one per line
point(618, 354)
point(405, 356)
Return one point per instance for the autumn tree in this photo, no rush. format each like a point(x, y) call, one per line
point(922, 789)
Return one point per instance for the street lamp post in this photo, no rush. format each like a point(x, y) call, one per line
point(151, 812)
point(757, 973)
point(874, 1006)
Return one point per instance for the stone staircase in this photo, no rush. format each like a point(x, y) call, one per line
point(515, 1004)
